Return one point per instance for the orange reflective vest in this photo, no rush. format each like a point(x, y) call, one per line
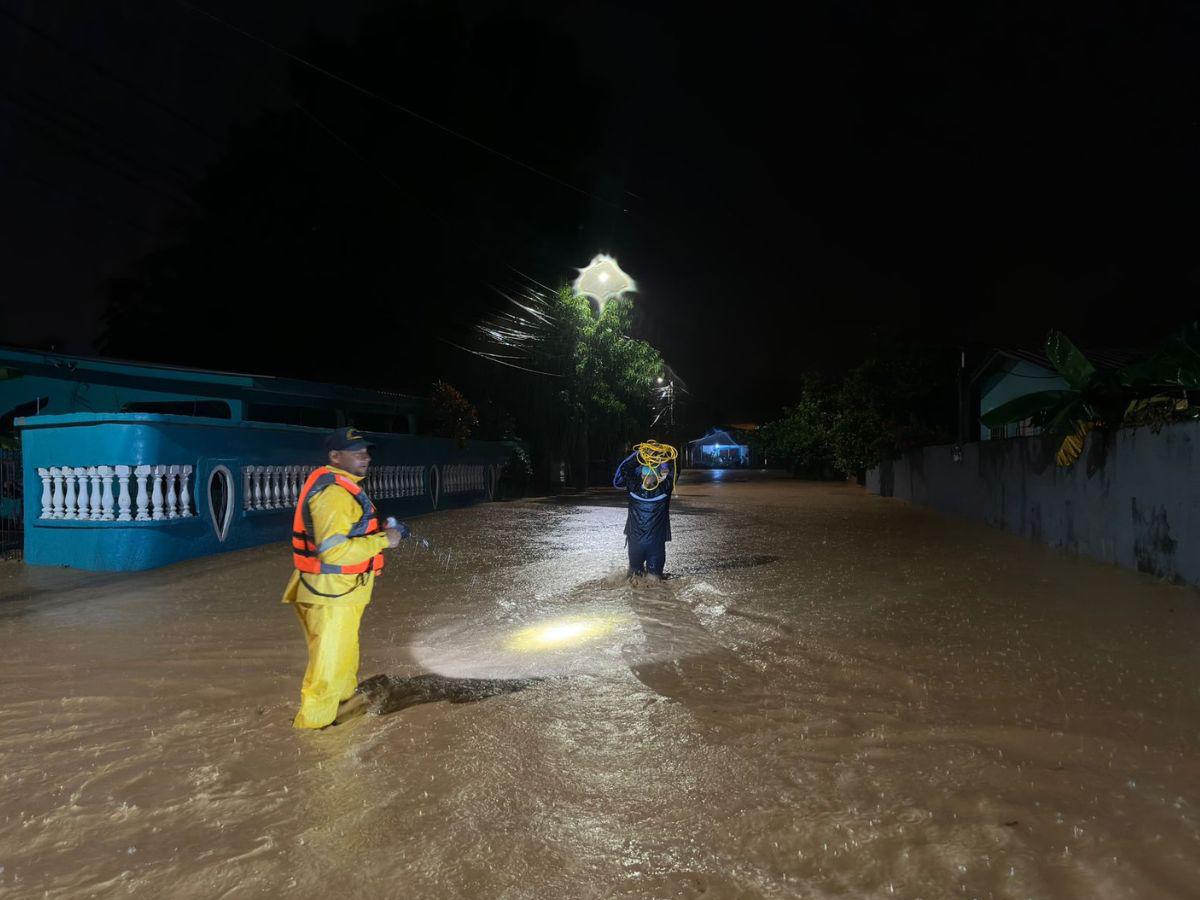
point(305, 552)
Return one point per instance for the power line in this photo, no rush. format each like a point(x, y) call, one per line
point(45, 123)
point(89, 203)
point(394, 105)
point(490, 357)
point(83, 128)
point(378, 170)
point(149, 99)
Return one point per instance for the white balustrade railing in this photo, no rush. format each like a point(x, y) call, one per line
point(278, 487)
point(85, 493)
point(273, 487)
point(461, 479)
point(391, 482)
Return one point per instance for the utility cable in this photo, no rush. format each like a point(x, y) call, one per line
point(83, 58)
point(374, 95)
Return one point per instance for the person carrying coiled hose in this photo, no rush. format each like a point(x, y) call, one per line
point(648, 477)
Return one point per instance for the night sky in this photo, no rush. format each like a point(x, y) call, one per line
point(782, 184)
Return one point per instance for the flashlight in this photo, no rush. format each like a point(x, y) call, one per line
point(405, 531)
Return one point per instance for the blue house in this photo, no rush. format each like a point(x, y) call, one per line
point(717, 450)
point(131, 465)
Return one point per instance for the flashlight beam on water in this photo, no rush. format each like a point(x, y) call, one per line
point(573, 643)
point(559, 633)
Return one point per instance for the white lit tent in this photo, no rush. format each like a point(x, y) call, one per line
point(717, 450)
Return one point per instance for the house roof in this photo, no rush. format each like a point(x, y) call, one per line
point(1103, 358)
point(200, 382)
point(715, 436)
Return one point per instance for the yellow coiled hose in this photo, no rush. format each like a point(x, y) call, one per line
point(651, 455)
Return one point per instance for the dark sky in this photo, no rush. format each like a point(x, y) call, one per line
point(782, 183)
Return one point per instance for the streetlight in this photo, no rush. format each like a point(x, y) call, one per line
point(603, 279)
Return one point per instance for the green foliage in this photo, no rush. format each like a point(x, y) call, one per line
point(1174, 365)
point(800, 439)
point(1107, 398)
point(614, 373)
point(900, 396)
point(1151, 392)
point(1091, 395)
point(598, 395)
point(516, 474)
point(1070, 363)
point(453, 415)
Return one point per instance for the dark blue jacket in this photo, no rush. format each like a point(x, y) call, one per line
point(649, 518)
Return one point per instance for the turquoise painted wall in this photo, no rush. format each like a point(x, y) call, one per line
point(84, 439)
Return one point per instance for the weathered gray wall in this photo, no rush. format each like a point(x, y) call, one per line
point(1132, 499)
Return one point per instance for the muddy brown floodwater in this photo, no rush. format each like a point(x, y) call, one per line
point(836, 695)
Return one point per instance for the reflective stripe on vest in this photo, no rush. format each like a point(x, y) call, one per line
point(305, 553)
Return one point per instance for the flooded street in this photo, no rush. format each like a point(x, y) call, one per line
point(834, 695)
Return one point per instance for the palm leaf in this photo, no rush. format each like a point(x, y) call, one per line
point(1068, 360)
point(1065, 419)
point(1174, 365)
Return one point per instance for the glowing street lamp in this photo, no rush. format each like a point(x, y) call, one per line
point(603, 279)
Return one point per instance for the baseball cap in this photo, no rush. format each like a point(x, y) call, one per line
point(346, 439)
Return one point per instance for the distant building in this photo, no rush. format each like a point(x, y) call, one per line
point(1008, 373)
point(717, 450)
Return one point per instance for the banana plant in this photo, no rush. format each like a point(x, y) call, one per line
point(1175, 366)
point(1072, 412)
point(1160, 384)
point(1106, 399)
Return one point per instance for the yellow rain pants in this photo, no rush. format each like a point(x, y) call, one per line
point(330, 606)
point(331, 633)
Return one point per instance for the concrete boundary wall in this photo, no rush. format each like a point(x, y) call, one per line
point(1132, 498)
point(230, 508)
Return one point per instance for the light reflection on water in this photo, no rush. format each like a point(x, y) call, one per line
point(838, 695)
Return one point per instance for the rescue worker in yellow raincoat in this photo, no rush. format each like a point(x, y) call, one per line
point(337, 551)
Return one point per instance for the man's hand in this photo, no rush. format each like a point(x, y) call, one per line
point(394, 537)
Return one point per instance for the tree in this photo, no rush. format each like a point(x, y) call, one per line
point(577, 383)
point(453, 415)
point(899, 396)
point(801, 438)
point(615, 381)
